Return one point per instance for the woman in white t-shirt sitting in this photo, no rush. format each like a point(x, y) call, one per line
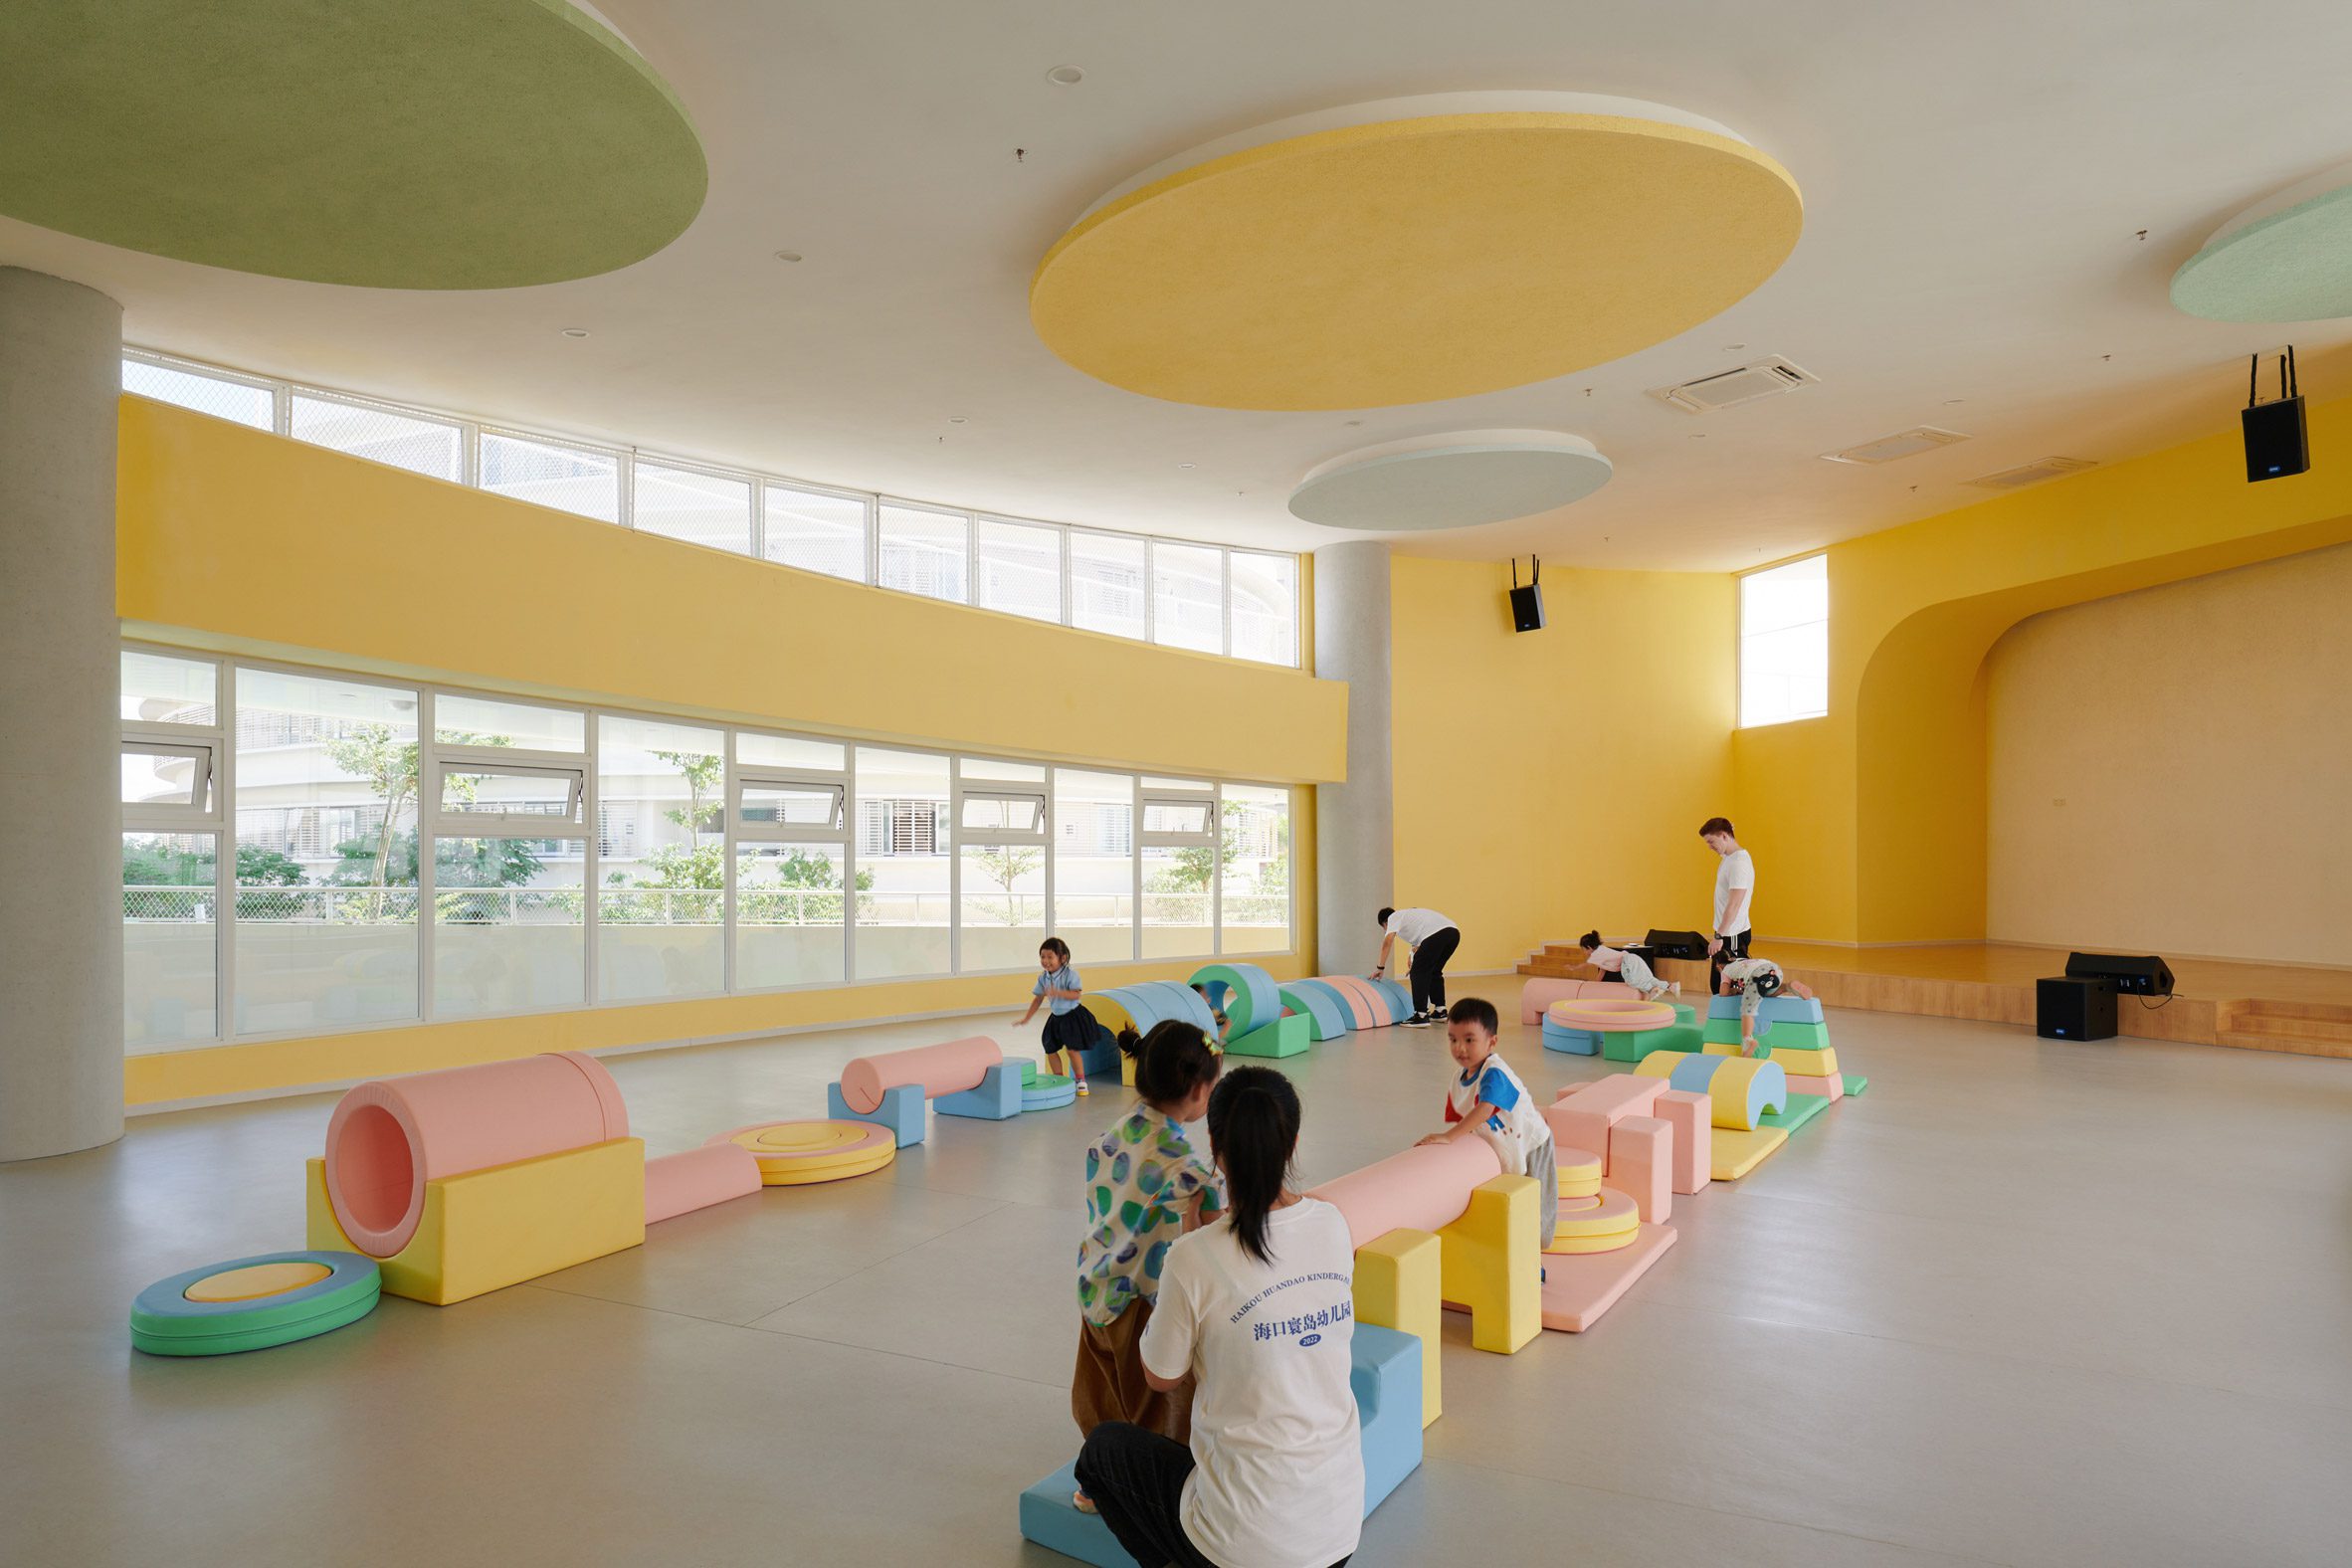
point(1258, 1309)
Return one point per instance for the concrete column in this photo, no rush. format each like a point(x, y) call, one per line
point(61, 845)
point(1355, 822)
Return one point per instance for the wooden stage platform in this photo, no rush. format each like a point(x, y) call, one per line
point(2215, 1002)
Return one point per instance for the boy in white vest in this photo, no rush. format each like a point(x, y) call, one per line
point(1488, 1102)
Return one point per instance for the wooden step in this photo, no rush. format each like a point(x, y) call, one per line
point(2293, 1045)
point(2270, 1026)
point(2311, 1011)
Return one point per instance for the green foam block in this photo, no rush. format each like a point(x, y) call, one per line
point(1285, 1036)
point(1632, 1045)
point(1801, 1036)
point(1801, 1109)
point(1855, 1082)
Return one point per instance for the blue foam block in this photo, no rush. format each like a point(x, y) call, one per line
point(901, 1112)
point(1325, 1018)
point(1399, 999)
point(998, 1099)
point(1774, 1008)
point(1103, 1056)
point(1182, 1001)
point(1342, 1016)
point(1575, 1042)
point(1384, 1372)
point(1048, 1092)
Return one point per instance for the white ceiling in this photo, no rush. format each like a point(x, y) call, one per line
point(1975, 177)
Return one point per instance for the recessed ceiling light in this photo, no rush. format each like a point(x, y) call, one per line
point(788, 256)
point(958, 418)
point(1950, 400)
point(1734, 348)
point(1353, 423)
point(1699, 434)
point(1066, 76)
point(575, 332)
point(1184, 465)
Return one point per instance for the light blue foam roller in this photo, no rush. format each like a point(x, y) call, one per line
point(1324, 1008)
point(1246, 992)
point(1399, 1000)
point(1575, 1042)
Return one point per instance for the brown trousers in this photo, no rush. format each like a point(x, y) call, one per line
point(1108, 1384)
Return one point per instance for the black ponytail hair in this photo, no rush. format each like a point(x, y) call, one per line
point(1254, 1129)
point(1130, 1043)
point(1589, 940)
point(1171, 1061)
point(1056, 946)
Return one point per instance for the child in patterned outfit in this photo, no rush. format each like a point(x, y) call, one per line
point(1631, 968)
point(1145, 1186)
point(1753, 980)
point(1488, 1102)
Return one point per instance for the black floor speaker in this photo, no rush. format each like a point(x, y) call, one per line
point(2074, 1008)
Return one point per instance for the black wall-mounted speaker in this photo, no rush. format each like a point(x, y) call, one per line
point(1527, 608)
point(2277, 442)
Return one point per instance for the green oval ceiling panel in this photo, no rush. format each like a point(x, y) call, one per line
point(424, 145)
point(2293, 264)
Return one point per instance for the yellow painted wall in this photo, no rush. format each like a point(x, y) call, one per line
point(1838, 809)
point(2206, 815)
point(1551, 780)
point(235, 541)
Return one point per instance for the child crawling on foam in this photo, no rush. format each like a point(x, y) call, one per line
point(1753, 980)
point(1488, 1102)
point(1631, 966)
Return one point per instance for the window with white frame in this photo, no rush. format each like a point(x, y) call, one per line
point(923, 551)
point(1188, 596)
point(306, 852)
point(1109, 583)
point(1020, 568)
point(242, 401)
point(579, 479)
point(1264, 601)
point(816, 530)
point(430, 447)
point(1784, 642)
point(699, 508)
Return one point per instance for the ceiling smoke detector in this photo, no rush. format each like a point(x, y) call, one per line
point(1905, 444)
point(1763, 378)
point(2031, 474)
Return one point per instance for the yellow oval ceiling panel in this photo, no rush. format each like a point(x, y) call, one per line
point(1411, 260)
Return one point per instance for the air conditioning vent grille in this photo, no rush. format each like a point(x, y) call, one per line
point(1905, 444)
point(1763, 378)
point(2031, 474)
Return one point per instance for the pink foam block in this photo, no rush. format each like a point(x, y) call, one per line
point(1578, 1289)
point(678, 1184)
point(389, 1137)
point(1693, 1117)
point(1582, 1116)
point(1542, 990)
point(1426, 1188)
point(946, 1068)
point(1832, 1087)
point(1641, 1165)
point(1370, 1008)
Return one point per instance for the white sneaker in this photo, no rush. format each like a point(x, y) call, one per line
point(1675, 989)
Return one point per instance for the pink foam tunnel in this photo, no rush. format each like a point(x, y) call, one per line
point(390, 1136)
point(947, 1068)
point(678, 1184)
point(1426, 1188)
point(1541, 991)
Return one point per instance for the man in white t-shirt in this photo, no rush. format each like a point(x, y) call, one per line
point(1735, 899)
point(1433, 939)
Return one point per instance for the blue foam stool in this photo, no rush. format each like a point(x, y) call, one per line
point(1384, 1372)
point(1773, 1009)
point(1575, 1042)
point(1322, 1002)
point(902, 1111)
point(998, 1099)
point(1049, 1091)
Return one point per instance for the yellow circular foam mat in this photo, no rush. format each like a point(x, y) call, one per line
point(1614, 1213)
point(253, 1284)
point(1413, 260)
point(799, 1153)
point(1569, 1246)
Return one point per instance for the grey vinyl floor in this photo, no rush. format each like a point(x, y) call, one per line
point(2023, 1302)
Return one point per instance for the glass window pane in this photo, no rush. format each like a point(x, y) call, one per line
point(214, 395)
point(1785, 596)
point(485, 721)
point(783, 751)
point(985, 771)
point(577, 480)
point(701, 508)
point(168, 776)
point(1784, 645)
point(660, 907)
point(791, 915)
point(421, 446)
point(1106, 583)
point(1167, 816)
point(1094, 862)
point(1004, 814)
point(326, 853)
point(1002, 905)
point(1020, 568)
point(1188, 596)
point(923, 551)
point(788, 805)
point(1254, 912)
point(903, 842)
point(816, 532)
point(1177, 899)
point(488, 791)
point(509, 933)
point(1266, 607)
point(170, 958)
point(160, 689)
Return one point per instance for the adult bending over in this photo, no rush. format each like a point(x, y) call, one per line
point(1735, 899)
point(1258, 1309)
point(1433, 940)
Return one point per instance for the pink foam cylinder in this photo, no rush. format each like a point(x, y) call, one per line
point(390, 1136)
point(946, 1068)
point(678, 1184)
point(1365, 1003)
point(1426, 1188)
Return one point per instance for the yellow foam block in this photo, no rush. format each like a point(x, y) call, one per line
point(1568, 1246)
point(1738, 1151)
point(489, 1228)
point(1612, 1213)
point(1397, 1287)
point(1489, 1264)
point(1808, 1064)
point(1588, 1187)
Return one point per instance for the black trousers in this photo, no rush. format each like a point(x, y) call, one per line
point(1428, 969)
point(1136, 1479)
point(1733, 947)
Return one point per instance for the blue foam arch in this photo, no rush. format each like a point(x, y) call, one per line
point(1321, 1006)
